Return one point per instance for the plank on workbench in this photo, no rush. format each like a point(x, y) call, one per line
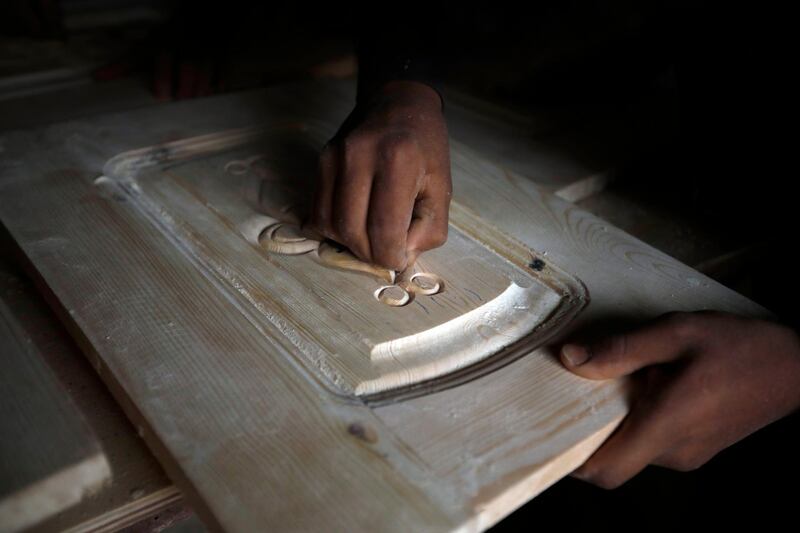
point(249, 432)
point(49, 459)
point(138, 488)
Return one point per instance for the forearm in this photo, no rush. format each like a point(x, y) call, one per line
point(405, 48)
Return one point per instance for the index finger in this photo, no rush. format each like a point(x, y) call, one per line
point(391, 208)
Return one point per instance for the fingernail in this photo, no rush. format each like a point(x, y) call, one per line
point(575, 354)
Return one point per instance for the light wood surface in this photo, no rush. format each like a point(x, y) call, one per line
point(138, 487)
point(530, 144)
point(49, 458)
point(234, 201)
point(523, 427)
point(256, 438)
point(260, 443)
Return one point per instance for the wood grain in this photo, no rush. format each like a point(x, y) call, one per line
point(138, 487)
point(255, 438)
point(346, 326)
point(524, 426)
point(49, 458)
point(251, 437)
point(231, 203)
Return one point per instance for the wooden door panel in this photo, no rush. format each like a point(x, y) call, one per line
point(182, 316)
point(235, 201)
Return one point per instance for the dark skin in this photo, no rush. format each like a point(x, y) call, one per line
point(384, 183)
point(706, 380)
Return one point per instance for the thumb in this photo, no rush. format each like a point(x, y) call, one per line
point(660, 341)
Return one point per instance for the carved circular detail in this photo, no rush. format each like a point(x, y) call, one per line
point(426, 283)
point(393, 295)
point(286, 239)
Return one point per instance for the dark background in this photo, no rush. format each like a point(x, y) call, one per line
point(696, 93)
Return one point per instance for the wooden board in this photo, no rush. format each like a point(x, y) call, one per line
point(530, 144)
point(49, 459)
point(138, 488)
point(254, 437)
point(234, 202)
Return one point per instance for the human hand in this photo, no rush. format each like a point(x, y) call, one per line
point(384, 183)
point(708, 380)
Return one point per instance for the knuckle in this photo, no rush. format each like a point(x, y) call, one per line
point(398, 150)
point(433, 238)
point(619, 346)
point(356, 143)
point(438, 237)
point(613, 349)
